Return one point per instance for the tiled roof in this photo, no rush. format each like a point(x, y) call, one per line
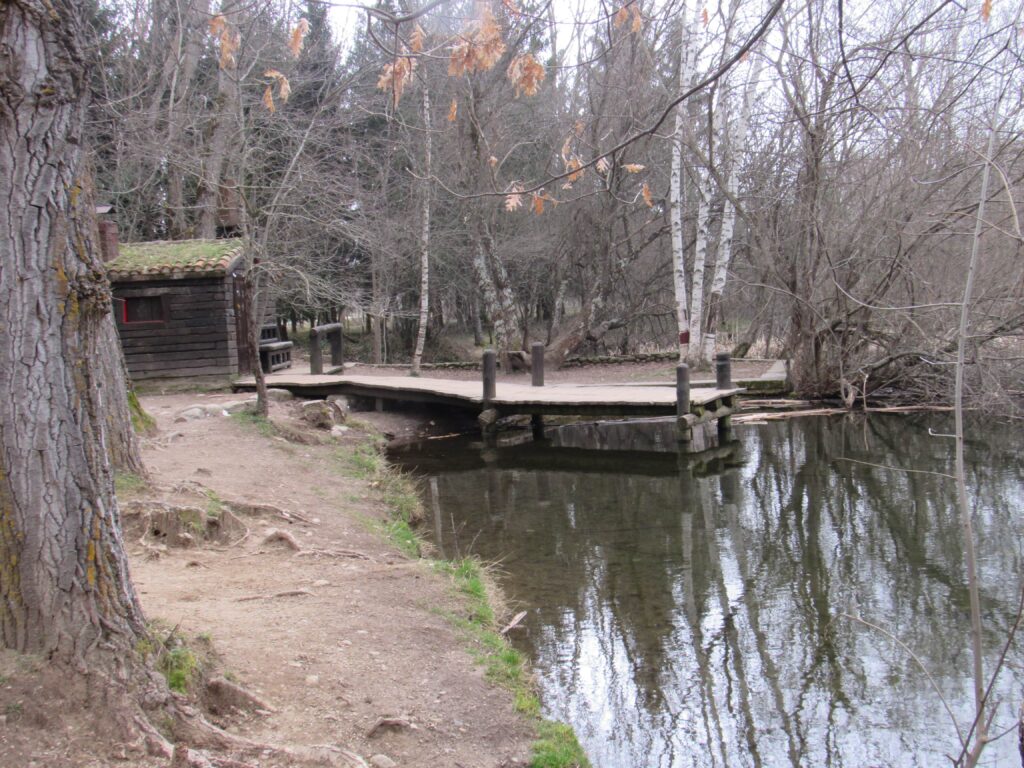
point(174, 258)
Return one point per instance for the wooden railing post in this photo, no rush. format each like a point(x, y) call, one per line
point(723, 380)
point(490, 368)
point(336, 347)
point(682, 389)
point(682, 404)
point(723, 371)
point(537, 364)
point(316, 355)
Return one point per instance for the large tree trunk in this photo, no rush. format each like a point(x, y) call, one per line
point(65, 591)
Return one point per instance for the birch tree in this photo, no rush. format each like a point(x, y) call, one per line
point(737, 146)
point(677, 191)
point(421, 332)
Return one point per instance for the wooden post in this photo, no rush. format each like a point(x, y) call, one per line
point(490, 375)
point(537, 364)
point(723, 380)
point(316, 355)
point(723, 371)
point(489, 416)
point(682, 404)
point(336, 346)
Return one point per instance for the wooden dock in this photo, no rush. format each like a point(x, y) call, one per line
point(492, 400)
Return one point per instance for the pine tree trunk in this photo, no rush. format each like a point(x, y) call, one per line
point(65, 591)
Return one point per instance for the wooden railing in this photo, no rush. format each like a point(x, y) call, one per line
point(332, 331)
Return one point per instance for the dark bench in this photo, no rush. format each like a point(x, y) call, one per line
point(275, 355)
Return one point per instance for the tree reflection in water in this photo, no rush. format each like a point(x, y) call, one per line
point(685, 615)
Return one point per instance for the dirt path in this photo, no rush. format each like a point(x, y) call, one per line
point(362, 634)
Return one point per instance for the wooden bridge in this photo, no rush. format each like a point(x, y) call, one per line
point(491, 400)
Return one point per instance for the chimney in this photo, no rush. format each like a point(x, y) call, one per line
point(108, 240)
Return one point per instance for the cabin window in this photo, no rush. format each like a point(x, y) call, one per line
point(144, 309)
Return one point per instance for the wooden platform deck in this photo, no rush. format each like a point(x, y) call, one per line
point(509, 399)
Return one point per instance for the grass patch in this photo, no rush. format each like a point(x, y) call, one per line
point(182, 664)
point(256, 421)
point(503, 664)
point(557, 747)
point(128, 482)
point(142, 422)
point(366, 462)
point(214, 505)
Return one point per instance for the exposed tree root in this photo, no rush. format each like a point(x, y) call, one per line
point(286, 593)
point(222, 696)
point(390, 722)
point(274, 535)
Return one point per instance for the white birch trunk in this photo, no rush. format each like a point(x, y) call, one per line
point(700, 256)
point(676, 191)
point(421, 333)
point(721, 273)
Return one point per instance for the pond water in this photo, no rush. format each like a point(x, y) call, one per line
point(700, 613)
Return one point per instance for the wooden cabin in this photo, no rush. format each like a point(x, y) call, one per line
point(180, 306)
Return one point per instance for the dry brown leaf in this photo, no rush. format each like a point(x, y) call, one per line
point(634, 167)
point(228, 39)
point(416, 39)
point(622, 16)
point(396, 75)
point(218, 24)
point(453, 111)
point(538, 203)
point(574, 166)
point(578, 128)
point(645, 192)
point(526, 74)
point(603, 165)
point(268, 99)
point(492, 161)
point(480, 47)
point(986, 10)
point(565, 149)
point(514, 199)
point(704, 17)
point(297, 38)
point(638, 21)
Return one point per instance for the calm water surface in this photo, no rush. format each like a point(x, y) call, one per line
point(699, 615)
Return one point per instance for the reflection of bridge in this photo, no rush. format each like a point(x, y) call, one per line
point(694, 409)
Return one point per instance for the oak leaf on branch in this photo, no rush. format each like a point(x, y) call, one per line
point(297, 38)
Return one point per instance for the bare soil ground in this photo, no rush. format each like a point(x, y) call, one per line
point(333, 636)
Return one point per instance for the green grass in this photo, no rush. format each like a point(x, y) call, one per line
point(214, 504)
point(260, 423)
point(142, 422)
point(181, 667)
point(179, 663)
point(557, 747)
point(503, 664)
point(133, 257)
point(128, 482)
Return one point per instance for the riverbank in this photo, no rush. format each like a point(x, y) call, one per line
point(288, 578)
